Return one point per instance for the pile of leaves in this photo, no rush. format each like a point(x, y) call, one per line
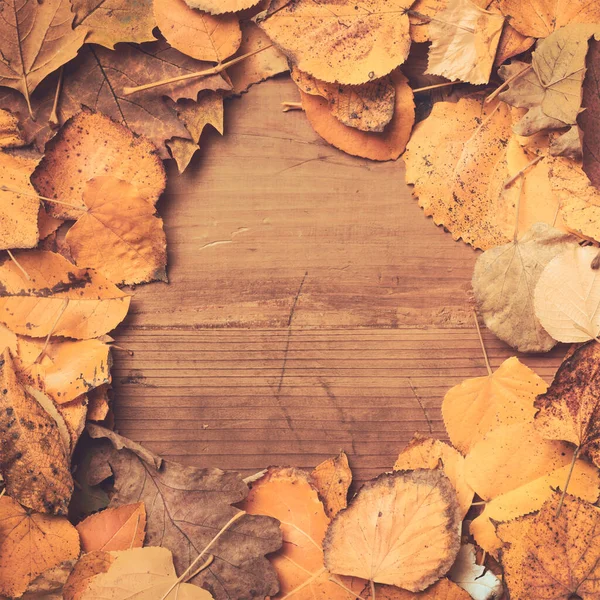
point(505, 154)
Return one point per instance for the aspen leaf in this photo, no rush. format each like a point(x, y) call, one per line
point(86, 568)
point(567, 296)
point(481, 583)
point(31, 543)
point(477, 406)
point(426, 453)
point(504, 281)
point(130, 245)
point(218, 7)
point(402, 529)
point(332, 478)
point(464, 39)
point(557, 556)
point(589, 118)
point(387, 145)
point(10, 132)
point(341, 41)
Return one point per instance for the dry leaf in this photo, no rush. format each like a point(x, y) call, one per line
point(114, 21)
point(37, 38)
point(332, 478)
point(511, 43)
point(218, 7)
point(47, 225)
point(49, 584)
point(401, 529)
point(144, 574)
point(464, 39)
point(119, 528)
point(368, 107)
point(504, 281)
point(444, 589)
point(557, 556)
point(480, 582)
point(99, 403)
point(341, 41)
point(539, 18)
point(256, 68)
point(31, 543)
point(59, 299)
point(86, 568)
point(589, 118)
point(10, 132)
point(129, 243)
point(387, 145)
point(33, 459)
point(567, 296)
point(477, 406)
point(515, 471)
point(197, 34)
point(426, 453)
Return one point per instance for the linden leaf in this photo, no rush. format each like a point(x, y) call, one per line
point(218, 7)
point(504, 281)
point(567, 296)
point(481, 583)
point(401, 529)
point(31, 543)
point(477, 406)
point(589, 119)
point(195, 33)
point(33, 459)
point(515, 471)
point(557, 556)
point(426, 453)
point(37, 38)
point(58, 299)
point(464, 42)
point(332, 478)
point(387, 145)
point(130, 245)
point(341, 41)
point(119, 528)
point(115, 21)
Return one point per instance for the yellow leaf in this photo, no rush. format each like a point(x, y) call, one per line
point(218, 7)
point(332, 478)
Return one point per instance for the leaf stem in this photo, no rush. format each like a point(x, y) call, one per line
point(435, 86)
point(564, 493)
point(201, 568)
point(19, 265)
point(372, 589)
point(287, 106)
point(58, 318)
point(6, 188)
point(512, 78)
point(516, 176)
point(53, 118)
point(485, 356)
point(428, 19)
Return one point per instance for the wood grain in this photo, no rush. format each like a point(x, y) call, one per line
point(311, 306)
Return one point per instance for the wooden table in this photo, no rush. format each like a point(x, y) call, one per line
point(311, 306)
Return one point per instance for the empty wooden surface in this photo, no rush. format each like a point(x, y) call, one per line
point(311, 306)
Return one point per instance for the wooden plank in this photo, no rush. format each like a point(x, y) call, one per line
point(308, 296)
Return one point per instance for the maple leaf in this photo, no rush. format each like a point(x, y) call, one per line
point(481, 583)
point(589, 118)
point(557, 556)
point(58, 299)
point(37, 38)
point(341, 41)
point(31, 543)
point(218, 7)
point(332, 478)
point(504, 281)
point(387, 145)
point(185, 507)
point(426, 453)
point(407, 509)
point(464, 42)
point(112, 21)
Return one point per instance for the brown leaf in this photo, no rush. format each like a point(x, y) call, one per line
point(218, 7)
point(387, 145)
point(10, 132)
point(88, 566)
point(37, 38)
point(332, 478)
point(31, 543)
point(99, 403)
point(33, 459)
point(589, 119)
point(186, 507)
point(49, 584)
point(342, 42)
point(114, 21)
point(197, 34)
point(511, 43)
point(88, 145)
point(59, 299)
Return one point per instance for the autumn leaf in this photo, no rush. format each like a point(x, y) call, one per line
point(511, 43)
point(515, 471)
point(480, 582)
point(394, 512)
point(31, 543)
point(444, 589)
point(58, 299)
point(185, 507)
point(86, 568)
point(10, 132)
point(504, 281)
point(426, 453)
point(47, 225)
point(219, 7)
point(37, 38)
point(464, 39)
point(119, 528)
point(49, 584)
point(589, 118)
point(113, 21)
point(99, 403)
point(477, 406)
point(341, 42)
point(557, 556)
point(387, 145)
point(332, 478)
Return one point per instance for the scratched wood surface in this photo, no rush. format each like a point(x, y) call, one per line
point(311, 306)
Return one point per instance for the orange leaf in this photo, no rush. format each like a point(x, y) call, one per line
point(88, 566)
